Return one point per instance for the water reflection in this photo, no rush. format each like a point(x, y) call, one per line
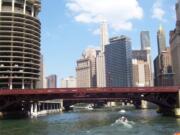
point(178, 121)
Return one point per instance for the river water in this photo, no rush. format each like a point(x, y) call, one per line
point(101, 122)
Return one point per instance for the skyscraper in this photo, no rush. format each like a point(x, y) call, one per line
point(118, 59)
point(104, 35)
point(86, 69)
point(100, 61)
point(161, 40)
point(141, 71)
point(163, 69)
point(175, 46)
point(145, 40)
point(69, 82)
point(19, 44)
point(146, 45)
point(52, 81)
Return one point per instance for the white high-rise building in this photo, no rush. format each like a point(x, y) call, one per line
point(100, 61)
point(101, 72)
point(69, 82)
point(104, 35)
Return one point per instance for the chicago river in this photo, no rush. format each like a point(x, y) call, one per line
point(99, 122)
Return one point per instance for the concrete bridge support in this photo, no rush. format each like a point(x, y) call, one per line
point(46, 107)
point(34, 109)
point(177, 109)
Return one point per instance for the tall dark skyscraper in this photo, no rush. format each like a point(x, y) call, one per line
point(161, 40)
point(118, 58)
point(19, 44)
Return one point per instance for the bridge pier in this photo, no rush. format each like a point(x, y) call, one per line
point(45, 107)
point(34, 109)
point(177, 109)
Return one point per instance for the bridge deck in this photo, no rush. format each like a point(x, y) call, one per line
point(90, 90)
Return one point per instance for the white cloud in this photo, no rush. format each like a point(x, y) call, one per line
point(96, 32)
point(157, 11)
point(118, 13)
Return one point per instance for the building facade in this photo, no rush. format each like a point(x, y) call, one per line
point(19, 44)
point(146, 45)
point(100, 60)
point(163, 69)
point(145, 40)
point(51, 81)
point(41, 83)
point(118, 59)
point(163, 72)
point(141, 69)
point(175, 46)
point(101, 70)
point(161, 40)
point(69, 82)
point(86, 69)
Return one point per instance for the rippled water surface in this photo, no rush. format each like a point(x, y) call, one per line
point(142, 122)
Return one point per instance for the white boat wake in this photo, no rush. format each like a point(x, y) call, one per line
point(123, 121)
point(122, 111)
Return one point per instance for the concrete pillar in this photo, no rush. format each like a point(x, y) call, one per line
point(23, 84)
point(144, 104)
point(0, 5)
point(32, 109)
point(35, 108)
point(177, 109)
point(61, 103)
point(10, 86)
point(13, 5)
point(24, 9)
point(32, 11)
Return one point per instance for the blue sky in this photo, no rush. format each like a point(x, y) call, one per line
point(70, 26)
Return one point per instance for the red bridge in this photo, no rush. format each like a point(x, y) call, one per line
point(167, 98)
